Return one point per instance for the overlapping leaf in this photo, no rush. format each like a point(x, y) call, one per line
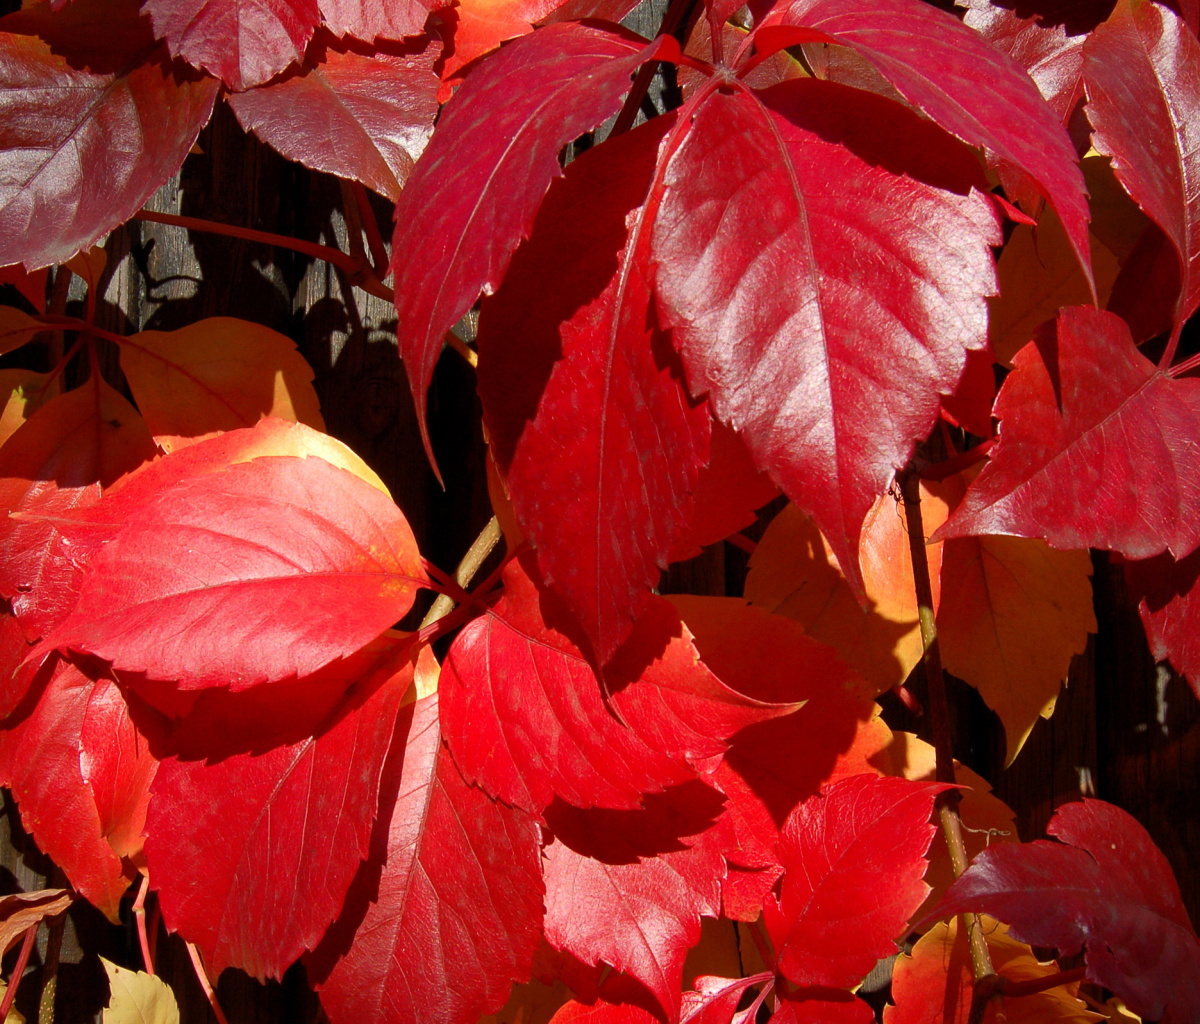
point(590, 424)
point(853, 860)
point(476, 27)
point(376, 19)
point(524, 715)
point(792, 309)
point(211, 583)
point(217, 374)
point(1167, 596)
point(16, 328)
point(94, 77)
point(1106, 886)
point(242, 42)
point(360, 117)
point(456, 914)
point(933, 984)
point(54, 464)
point(477, 203)
point(136, 997)
point(252, 854)
point(23, 910)
point(1081, 415)
point(40, 763)
point(937, 65)
point(646, 877)
point(1142, 69)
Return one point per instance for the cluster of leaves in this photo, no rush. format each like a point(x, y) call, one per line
point(787, 283)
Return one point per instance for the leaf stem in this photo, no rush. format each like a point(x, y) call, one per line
point(205, 984)
point(1172, 345)
point(357, 271)
point(476, 555)
point(18, 971)
point(676, 14)
point(54, 937)
point(462, 348)
point(139, 915)
point(956, 464)
point(375, 243)
point(939, 714)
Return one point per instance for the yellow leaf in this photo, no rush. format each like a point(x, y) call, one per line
point(217, 374)
point(14, 1016)
point(22, 393)
point(1014, 611)
point(793, 573)
point(933, 984)
point(138, 998)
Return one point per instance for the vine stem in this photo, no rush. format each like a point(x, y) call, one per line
point(15, 979)
point(139, 914)
point(939, 714)
point(54, 937)
point(476, 555)
point(357, 271)
point(205, 984)
point(676, 13)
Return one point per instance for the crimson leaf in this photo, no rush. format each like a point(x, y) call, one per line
point(1106, 887)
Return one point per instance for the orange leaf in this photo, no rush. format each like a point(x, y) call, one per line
point(933, 984)
point(22, 393)
point(16, 328)
point(217, 374)
point(21, 911)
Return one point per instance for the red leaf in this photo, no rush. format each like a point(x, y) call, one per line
point(716, 999)
point(30, 285)
point(79, 185)
point(252, 854)
point(1106, 886)
point(365, 118)
point(54, 464)
point(1142, 69)
point(807, 321)
point(455, 916)
point(1169, 603)
point(467, 206)
point(242, 42)
point(590, 424)
point(16, 675)
point(475, 27)
point(369, 20)
point(213, 582)
point(40, 762)
point(826, 1008)
point(1081, 416)
point(937, 65)
point(645, 877)
point(853, 861)
point(523, 714)
point(117, 763)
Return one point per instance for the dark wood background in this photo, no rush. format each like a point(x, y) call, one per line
point(1124, 729)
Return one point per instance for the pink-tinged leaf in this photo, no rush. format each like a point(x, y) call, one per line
point(63, 182)
point(213, 581)
point(821, 1007)
point(365, 118)
point(645, 877)
point(118, 764)
point(937, 64)
point(1169, 604)
point(54, 464)
point(523, 714)
point(454, 918)
point(252, 854)
point(1106, 887)
point(466, 208)
point(715, 1000)
point(1048, 44)
point(243, 42)
point(823, 339)
point(40, 763)
point(591, 426)
point(1142, 69)
point(853, 861)
point(1081, 416)
point(369, 20)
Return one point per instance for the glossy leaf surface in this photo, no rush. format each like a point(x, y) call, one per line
point(477, 204)
point(456, 914)
point(241, 42)
point(197, 587)
point(771, 317)
point(63, 184)
point(1081, 414)
point(361, 117)
point(376, 19)
point(1106, 886)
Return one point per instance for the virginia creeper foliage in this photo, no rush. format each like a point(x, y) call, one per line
point(805, 275)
